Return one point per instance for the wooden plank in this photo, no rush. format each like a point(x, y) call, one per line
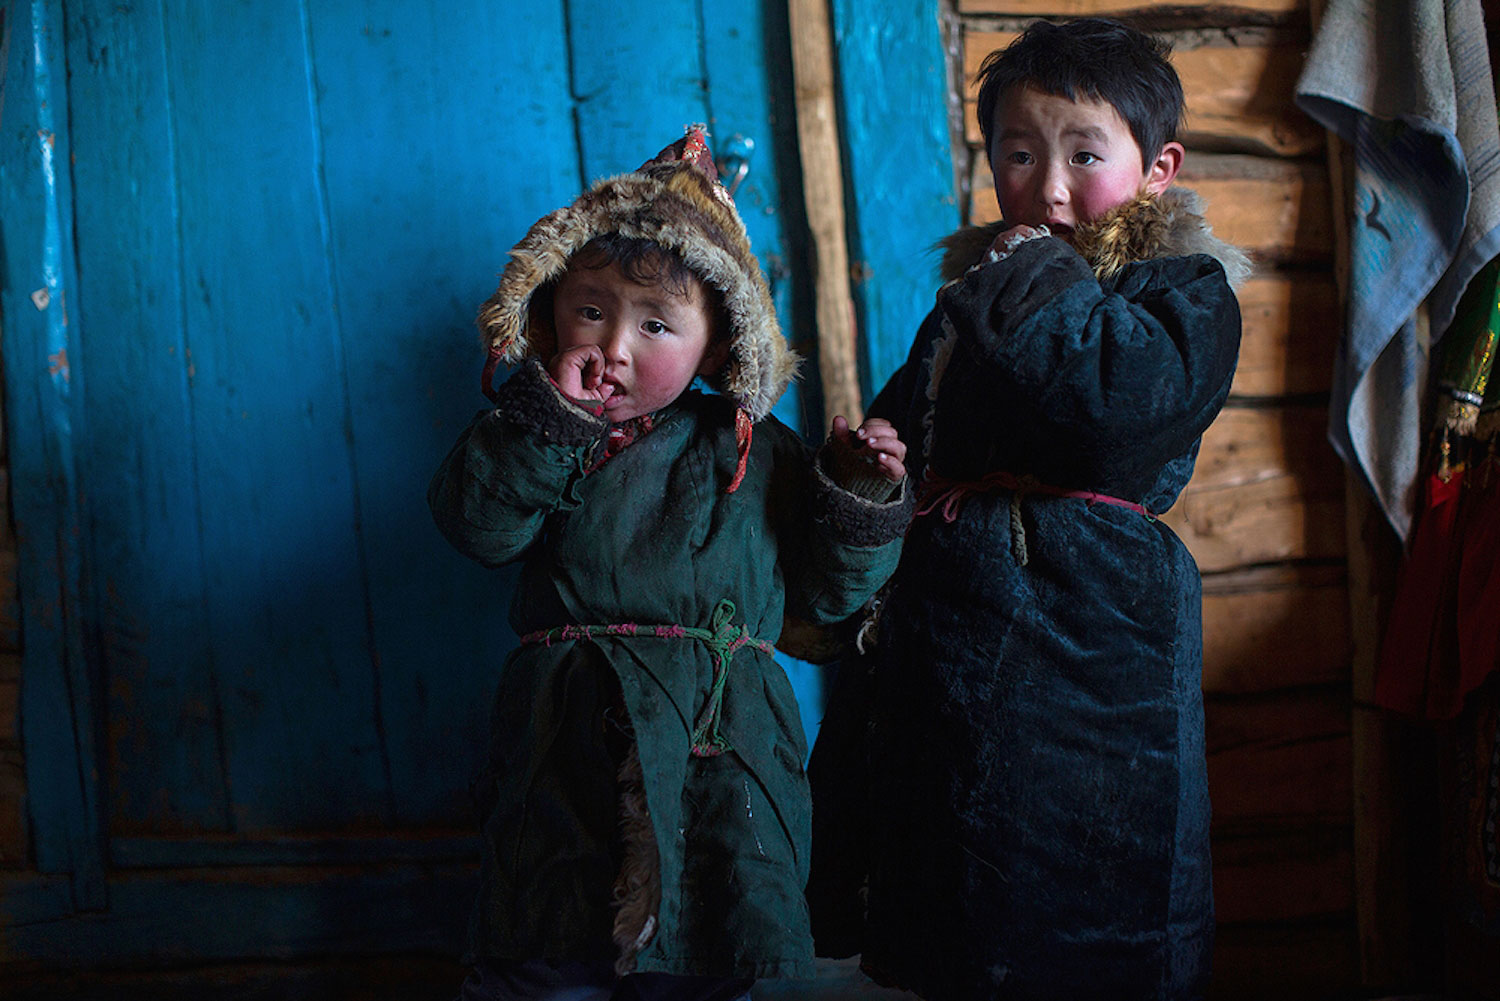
point(28, 897)
point(1282, 872)
point(10, 707)
point(1390, 793)
point(1308, 960)
point(746, 53)
point(10, 567)
point(1279, 756)
point(10, 598)
point(402, 976)
point(417, 242)
point(1290, 327)
point(153, 644)
point(893, 92)
point(823, 194)
point(156, 918)
point(287, 606)
point(1267, 487)
point(1275, 210)
point(228, 852)
point(15, 844)
point(1272, 519)
point(1124, 8)
point(1239, 96)
point(44, 423)
point(1251, 444)
point(633, 77)
point(1275, 627)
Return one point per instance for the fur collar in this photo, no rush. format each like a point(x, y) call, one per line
point(1167, 225)
point(674, 205)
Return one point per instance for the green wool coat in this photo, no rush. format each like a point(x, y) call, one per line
point(651, 537)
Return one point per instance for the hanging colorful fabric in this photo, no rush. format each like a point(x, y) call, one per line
point(1478, 608)
point(1420, 671)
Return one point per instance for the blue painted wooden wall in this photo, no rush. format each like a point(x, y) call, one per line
point(243, 246)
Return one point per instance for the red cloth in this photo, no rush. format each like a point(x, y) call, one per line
point(1478, 589)
point(1418, 659)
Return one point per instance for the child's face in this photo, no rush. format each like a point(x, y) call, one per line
point(654, 340)
point(1061, 162)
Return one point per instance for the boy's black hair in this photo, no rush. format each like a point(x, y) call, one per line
point(1090, 58)
point(645, 262)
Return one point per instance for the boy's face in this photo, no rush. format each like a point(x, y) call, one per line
point(1061, 162)
point(654, 340)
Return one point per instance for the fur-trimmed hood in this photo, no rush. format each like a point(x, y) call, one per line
point(1167, 225)
point(676, 201)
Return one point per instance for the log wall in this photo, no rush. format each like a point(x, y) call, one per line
point(1264, 514)
point(12, 781)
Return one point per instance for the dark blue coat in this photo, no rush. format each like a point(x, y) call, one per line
point(1018, 770)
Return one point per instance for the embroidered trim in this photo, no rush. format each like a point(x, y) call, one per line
point(618, 438)
point(942, 353)
point(722, 638)
point(1011, 244)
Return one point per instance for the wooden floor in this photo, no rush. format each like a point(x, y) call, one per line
point(413, 978)
point(425, 978)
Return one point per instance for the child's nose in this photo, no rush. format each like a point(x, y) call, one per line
point(615, 343)
point(1054, 187)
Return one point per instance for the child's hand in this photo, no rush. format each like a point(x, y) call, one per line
point(579, 373)
point(875, 445)
point(1008, 240)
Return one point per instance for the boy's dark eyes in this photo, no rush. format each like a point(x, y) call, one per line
point(1085, 158)
point(1019, 156)
point(590, 313)
point(654, 327)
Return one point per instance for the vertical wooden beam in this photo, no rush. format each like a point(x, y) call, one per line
point(823, 190)
point(746, 55)
point(40, 348)
point(894, 106)
point(1383, 899)
point(1384, 903)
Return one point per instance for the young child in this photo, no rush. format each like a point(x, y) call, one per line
point(1028, 733)
point(645, 811)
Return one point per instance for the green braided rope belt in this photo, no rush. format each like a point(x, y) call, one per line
point(722, 637)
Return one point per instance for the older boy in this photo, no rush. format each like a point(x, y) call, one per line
point(646, 816)
point(1036, 805)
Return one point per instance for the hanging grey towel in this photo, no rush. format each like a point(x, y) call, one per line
point(1407, 84)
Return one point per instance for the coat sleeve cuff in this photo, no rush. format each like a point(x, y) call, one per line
point(531, 399)
point(858, 520)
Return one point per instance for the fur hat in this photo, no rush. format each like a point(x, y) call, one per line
point(675, 200)
point(1170, 224)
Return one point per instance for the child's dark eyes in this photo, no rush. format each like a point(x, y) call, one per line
point(591, 313)
point(1019, 157)
point(654, 327)
point(1085, 158)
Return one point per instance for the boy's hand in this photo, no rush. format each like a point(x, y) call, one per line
point(579, 373)
point(875, 445)
point(1008, 240)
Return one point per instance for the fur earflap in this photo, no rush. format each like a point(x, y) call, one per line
point(1170, 224)
point(673, 201)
